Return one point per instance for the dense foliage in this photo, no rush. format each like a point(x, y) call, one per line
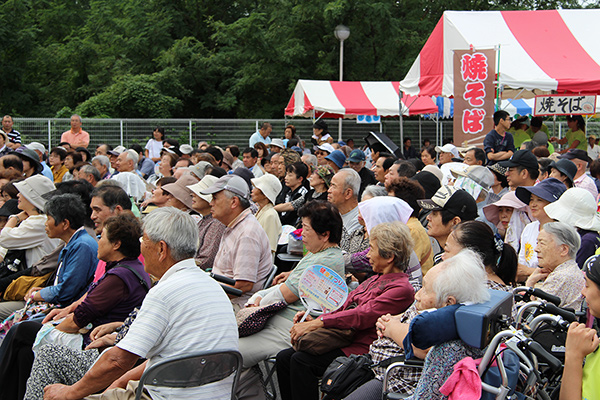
point(203, 58)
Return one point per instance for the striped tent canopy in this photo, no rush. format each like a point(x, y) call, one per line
point(334, 99)
point(552, 50)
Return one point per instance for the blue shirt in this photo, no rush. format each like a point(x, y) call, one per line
point(256, 138)
point(47, 172)
point(146, 167)
point(493, 140)
point(77, 263)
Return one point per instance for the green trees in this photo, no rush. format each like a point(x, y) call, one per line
point(202, 59)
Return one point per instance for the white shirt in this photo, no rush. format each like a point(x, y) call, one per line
point(527, 255)
point(593, 153)
point(186, 312)
point(154, 147)
point(350, 220)
point(31, 236)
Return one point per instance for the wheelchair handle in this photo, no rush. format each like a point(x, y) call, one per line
point(539, 294)
point(566, 315)
point(537, 349)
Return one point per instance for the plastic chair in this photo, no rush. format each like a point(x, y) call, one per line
point(193, 370)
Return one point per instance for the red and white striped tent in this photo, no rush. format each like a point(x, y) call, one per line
point(546, 50)
point(334, 99)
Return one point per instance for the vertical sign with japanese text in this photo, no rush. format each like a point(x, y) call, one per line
point(474, 74)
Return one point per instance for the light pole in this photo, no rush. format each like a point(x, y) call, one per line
point(342, 33)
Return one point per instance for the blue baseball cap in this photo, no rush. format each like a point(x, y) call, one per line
point(337, 157)
point(549, 189)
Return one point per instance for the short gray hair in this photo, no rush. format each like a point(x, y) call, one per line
point(564, 234)
point(351, 180)
point(244, 202)
point(91, 170)
point(133, 156)
point(463, 277)
point(102, 160)
point(176, 228)
point(374, 191)
point(310, 160)
point(394, 240)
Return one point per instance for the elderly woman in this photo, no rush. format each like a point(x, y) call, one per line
point(25, 230)
point(321, 234)
point(577, 207)
point(180, 196)
point(119, 247)
point(510, 215)
point(210, 230)
point(556, 248)
point(387, 292)
point(537, 197)
point(499, 258)
point(266, 189)
point(456, 280)
point(159, 198)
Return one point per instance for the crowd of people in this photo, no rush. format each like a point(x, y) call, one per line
point(85, 239)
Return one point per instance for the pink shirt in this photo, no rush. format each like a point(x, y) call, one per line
point(81, 139)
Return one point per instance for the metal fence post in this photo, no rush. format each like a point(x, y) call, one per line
point(49, 134)
point(121, 124)
point(190, 122)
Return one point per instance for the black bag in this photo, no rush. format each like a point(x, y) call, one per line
point(345, 374)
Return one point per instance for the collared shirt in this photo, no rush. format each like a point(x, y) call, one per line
point(145, 167)
point(14, 136)
point(587, 183)
point(566, 282)
point(269, 220)
point(76, 265)
point(79, 139)
point(258, 138)
point(244, 254)
point(186, 312)
point(211, 232)
point(30, 235)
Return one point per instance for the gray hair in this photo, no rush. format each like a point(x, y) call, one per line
point(463, 277)
point(394, 240)
point(176, 228)
point(91, 170)
point(351, 180)
point(244, 202)
point(102, 160)
point(374, 191)
point(133, 156)
point(564, 234)
point(110, 182)
point(310, 160)
point(76, 115)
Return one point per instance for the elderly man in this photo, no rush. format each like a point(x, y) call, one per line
point(343, 193)
point(90, 173)
point(127, 177)
point(261, 135)
point(11, 167)
point(14, 137)
point(382, 166)
point(40, 150)
point(474, 156)
point(76, 136)
point(557, 246)
point(102, 164)
point(581, 159)
point(164, 327)
point(102, 149)
point(357, 161)
point(244, 253)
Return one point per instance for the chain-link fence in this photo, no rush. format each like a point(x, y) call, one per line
point(224, 132)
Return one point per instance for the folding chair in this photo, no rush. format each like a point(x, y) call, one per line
point(193, 370)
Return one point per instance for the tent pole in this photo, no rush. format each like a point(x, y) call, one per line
point(401, 120)
point(420, 141)
point(498, 80)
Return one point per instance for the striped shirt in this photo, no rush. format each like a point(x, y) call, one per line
point(244, 254)
point(186, 312)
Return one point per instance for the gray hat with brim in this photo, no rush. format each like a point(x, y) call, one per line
point(233, 183)
point(180, 190)
point(34, 188)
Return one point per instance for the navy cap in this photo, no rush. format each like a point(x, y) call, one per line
point(566, 167)
point(577, 154)
point(549, 189)
point(523, 158)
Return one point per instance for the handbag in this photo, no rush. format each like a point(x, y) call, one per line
point(324, 340)
point(345, 374)
point(251, 320)
point(20, 286)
